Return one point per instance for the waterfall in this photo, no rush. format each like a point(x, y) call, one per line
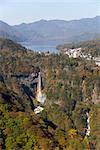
point(39, 84)
point(40, 96)
point(88, 124)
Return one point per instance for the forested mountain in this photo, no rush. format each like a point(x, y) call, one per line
point(53, 31)
point(72, 90)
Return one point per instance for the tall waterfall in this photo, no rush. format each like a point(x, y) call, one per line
point(88, 124)
point(39, 85)
point(40, 96)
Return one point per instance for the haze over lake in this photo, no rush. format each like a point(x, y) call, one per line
point(41, 48)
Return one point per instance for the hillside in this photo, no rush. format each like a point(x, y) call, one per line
point(9, 45)
point(72, 90)
point(88, 47)
point(53, 32)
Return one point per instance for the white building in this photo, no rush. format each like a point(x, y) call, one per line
point(97, 61)
point(75, 53)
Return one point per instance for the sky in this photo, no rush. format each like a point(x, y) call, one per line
point(19, 11)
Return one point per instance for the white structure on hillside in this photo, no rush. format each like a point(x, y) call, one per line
point(75, 53)
point(97, 61)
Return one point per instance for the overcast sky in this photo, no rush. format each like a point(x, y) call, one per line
point(18, 11)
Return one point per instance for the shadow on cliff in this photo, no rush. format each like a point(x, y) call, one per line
point(30, 94)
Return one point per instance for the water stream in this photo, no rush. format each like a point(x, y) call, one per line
point(40, 96)
point(88, 125)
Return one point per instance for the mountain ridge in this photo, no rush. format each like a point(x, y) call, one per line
point(52, 31)
point(97, 17)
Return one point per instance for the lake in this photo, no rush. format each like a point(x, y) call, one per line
point(41, 48)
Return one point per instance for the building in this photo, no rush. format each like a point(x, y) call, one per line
point(97, 61)
point(74, 53)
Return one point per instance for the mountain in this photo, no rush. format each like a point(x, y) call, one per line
point(7, 31)
point(53, 31)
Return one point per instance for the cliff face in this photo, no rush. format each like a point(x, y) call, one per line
point(84, 91)
point(96, 93)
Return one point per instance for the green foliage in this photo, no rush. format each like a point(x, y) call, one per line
point(68, 84)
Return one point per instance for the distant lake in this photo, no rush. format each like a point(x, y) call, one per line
point(41, 48)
